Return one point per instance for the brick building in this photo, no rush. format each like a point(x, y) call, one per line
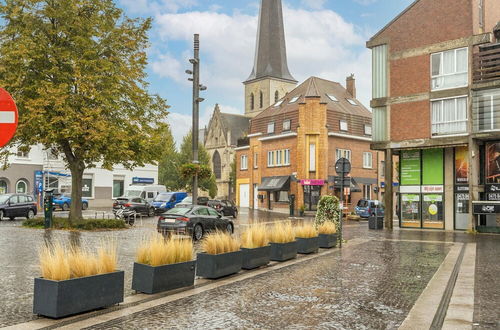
point(436, 105)
point(293, 145)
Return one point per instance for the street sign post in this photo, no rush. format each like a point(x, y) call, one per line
point(8, 117)
point(342, 167)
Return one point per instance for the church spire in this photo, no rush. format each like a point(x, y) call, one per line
point(270, 53)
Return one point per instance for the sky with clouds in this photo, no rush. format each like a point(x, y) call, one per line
point(324, 38)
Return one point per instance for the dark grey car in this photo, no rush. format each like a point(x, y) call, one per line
point(194, 221)
point(17, 205)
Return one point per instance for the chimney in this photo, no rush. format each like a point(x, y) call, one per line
point(350, 84)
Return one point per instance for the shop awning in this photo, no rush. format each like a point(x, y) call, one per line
point(337, 184)
point(275, 183)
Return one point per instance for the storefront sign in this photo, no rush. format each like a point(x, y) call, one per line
point(410, 198)
point(432, 189)
point(493, 162)
point(143, 180)
point(409, 189)
point(433, 168)
point(493, 196)
point(486, 208)
point(461, 188)
point(410, 167)
point(312, 182)
point(461, 165)
point(492, 188)
point(433, 198)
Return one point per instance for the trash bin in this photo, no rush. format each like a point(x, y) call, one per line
point(376, 222)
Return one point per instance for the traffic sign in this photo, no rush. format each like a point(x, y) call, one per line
point(343, 166)
point(8, 117)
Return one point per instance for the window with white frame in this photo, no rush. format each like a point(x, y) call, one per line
point(486, 110)
point(332, 97)
point(22, 153)
point(312, 157)
point(449, 69)
point(367, 160)
point(21, 187)
point(449, 116)
point(270, 127)
point(286, 160)
point(343, 125)
point(270, 158)
point(367, 191)
point(244, 162)
point(351, 102)
point(255, 160)
point(368, 129)
point(279, 154)
point(287, 125)
point(343, 153)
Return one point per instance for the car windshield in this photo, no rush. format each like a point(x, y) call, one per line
point(133, 193)
point(163, 197)
point(179, 211)
point(4, 199)
point(187, 200)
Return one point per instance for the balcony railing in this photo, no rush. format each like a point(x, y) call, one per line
point(487, 63)
point(486, 110)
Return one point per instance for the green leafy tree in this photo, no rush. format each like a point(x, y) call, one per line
point(76, 69)
point(168, 173)
point(206, 183)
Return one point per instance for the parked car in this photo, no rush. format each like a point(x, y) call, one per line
point(194, 221)
point(63, 202)
point(133, 205)
point(188, 201)
point(225, 207)
point(17, 205)
point(148, 192)
point(368, 207)
point(166, 201)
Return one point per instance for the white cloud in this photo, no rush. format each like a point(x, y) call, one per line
point(365, 2)
point(152, 6)
point(314, 4)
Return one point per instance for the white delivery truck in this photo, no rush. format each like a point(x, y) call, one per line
point(147, 192)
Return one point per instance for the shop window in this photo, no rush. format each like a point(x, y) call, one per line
point(270, 128)
point(449, 69)
point(88, 187)
point(244, 162)
point(432, 209)
point(449, 116)
point(3, 187)
point(367, 160)
point(118, 188)
point(410, 210)
point(21, 187)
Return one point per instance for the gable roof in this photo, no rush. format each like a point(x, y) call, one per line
point(326, 90)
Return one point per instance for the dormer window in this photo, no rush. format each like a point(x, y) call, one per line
point(278, 103)
point(332, 97)
point(295, 99)
point(287, 125)
point(343, 125)
point(368, 130)
point(351, 101)
point(270, 128)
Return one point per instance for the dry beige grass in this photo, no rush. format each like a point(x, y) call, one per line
point(220, 242)
point(255, 236)
point(327, 228)
point(306, 231)
point(58, 262)
point(156, 251)
point(282, 232)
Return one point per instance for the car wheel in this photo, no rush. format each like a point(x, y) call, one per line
point(1, 215)
point(151, 212)
point(12, 218)
point(235, 214)
point(198, 232)
point(85, 206)
point(30, 214)
point(229, 228)
point(65, 207)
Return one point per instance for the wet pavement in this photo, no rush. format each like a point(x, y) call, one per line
point(372, 285)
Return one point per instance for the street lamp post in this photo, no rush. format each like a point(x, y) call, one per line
point(197, 87)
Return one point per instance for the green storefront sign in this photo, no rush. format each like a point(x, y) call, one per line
point(410, 168)
point(432, 163)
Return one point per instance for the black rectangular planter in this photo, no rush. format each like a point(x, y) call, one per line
point(376, 222)
point(218, 265)
point(149, 279)
point(254, 258)
point(283, 251)
point(327, 241)
point(307, 245)
point(58, 299)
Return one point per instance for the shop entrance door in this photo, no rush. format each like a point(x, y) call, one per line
point(410, 211)
point(312, 194)
point(461, 211)
point(432, 211)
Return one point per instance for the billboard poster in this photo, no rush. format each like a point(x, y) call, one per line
point(433, 167)
point(410, 168)
point(461, 165)
point(493, 163)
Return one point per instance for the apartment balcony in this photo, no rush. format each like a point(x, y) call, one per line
point(487, 64)
point(486, 110)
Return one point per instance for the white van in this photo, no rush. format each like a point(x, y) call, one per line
point(145, 192)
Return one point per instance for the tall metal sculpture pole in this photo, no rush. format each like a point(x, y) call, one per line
point(196, 110)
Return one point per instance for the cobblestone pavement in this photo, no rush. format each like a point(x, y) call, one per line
point(373, 285)
point(382, 279)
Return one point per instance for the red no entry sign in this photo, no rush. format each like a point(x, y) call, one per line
point(8, 117)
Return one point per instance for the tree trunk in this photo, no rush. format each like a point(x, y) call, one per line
point(75, 210)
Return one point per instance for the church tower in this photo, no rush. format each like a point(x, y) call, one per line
point(270, 79)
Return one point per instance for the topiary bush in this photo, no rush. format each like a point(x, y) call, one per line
point(328, 210)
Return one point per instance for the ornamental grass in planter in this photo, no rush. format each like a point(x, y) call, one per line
point(255, 247)
point(282, 241)
point(76, 280)
point(163, 265)
point(307, 239)
point(327, 235)
point(221, 256)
